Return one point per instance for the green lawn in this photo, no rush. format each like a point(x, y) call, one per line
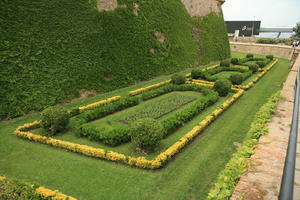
point(189, 176)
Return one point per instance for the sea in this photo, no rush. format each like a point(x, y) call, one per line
point(274, 35)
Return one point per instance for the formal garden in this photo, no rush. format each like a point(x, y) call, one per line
point(167, 138)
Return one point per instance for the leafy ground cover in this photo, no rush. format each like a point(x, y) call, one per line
point(162, 107)
point(189, 176)
point(71, 46)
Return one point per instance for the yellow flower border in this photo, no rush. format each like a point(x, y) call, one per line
point(99, 103)
point(49, 194)
point(140, 162)
point(250, 84)
point(141, 90)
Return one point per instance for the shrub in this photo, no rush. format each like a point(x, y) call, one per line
point(15, 189)
point(146, 133)
point(236, 78)
point(54, 119)
point(225, 63)
point(178, 79)
point(234, 61)
point(197, 73)
point(222, 86)
point(73, 112)
point(267, 41)
point(260, 64)
point(249, 55)
point(253, 67)
point(271, 57)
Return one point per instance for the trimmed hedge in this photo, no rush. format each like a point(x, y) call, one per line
point(52, 49)
point(54, 119)
point(225, 63)
point(178, 79)
point(253, 68)
point(234, 61)
point(146, 133)
point(236, 79)
point(223, 87)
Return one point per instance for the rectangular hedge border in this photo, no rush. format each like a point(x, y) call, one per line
point(140, 162)
point(250, 84)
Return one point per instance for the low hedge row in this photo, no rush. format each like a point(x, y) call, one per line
point(16, 189)
point(112, 137)
point(120, 135)
point(239, 161)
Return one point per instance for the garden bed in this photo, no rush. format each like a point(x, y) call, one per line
point(121, 135)
point(247, 82)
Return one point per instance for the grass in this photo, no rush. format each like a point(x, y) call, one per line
point(189, 176)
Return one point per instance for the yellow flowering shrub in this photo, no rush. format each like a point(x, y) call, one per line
point(141, 162)
point(2, 178)
point(140, 90)
point(99, 103)
point(110, 155)
point(203, 81)
point(211, 67)
point(53, 194)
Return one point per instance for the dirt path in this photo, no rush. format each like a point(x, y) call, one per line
point(262, 180)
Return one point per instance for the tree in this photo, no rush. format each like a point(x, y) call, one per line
point(296, 29)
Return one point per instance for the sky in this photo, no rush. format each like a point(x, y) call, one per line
point(271, 13)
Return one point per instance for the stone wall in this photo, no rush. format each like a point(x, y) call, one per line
point(264, 49)
point(199, 8)
point(196, 8)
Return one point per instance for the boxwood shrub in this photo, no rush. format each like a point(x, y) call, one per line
point(223, 87)
point(253, 67)
point(146, 133)
point(234, 61)
point(270, 57)
point(236, 78)
point(197, 73)
point(249, 55)
point(54, 119)
point(178, 79)
point(225, 63)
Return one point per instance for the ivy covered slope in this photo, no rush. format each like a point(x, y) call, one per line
point(51, 49)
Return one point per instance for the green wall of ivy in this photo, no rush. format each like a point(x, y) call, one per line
point(52, 48)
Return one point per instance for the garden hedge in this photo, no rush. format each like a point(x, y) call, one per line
point(52, 49)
